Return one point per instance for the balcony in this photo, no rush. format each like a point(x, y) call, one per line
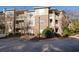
point(19, 21)
point(19, 26)
point(20, 17)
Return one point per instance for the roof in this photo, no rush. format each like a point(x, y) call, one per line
point(40, 7)
point(20, 11)
point(31, 11)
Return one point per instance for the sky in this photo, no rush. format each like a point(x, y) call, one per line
point(31, 7)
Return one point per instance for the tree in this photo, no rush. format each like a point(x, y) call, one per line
point(66, 31)
point(75, 25)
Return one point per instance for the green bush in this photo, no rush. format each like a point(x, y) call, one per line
point(75, 25)
point(66, 32)
point(48, 32)
point(56, 34)
point(10, 34)
point(17, 34)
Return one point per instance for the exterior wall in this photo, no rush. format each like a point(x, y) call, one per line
point(19, 24)
point(41, 20)
point(9, 19)
point(30, 22)
point(41, 11)
point(62, 22)
point(53, 18)
point(2, 23)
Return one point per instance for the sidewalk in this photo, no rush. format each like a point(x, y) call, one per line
point(75, 36)
point(2, 35)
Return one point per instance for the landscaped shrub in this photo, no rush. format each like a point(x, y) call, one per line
point(66, 32)
point(56, 34)
point(17, 34)
point(13, 34)
point(39, 35)
point(48, 32)
point(10, 34)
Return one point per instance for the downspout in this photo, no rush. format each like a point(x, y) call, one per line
point(14, 21)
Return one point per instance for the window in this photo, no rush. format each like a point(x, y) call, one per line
point(50, 20)
point(56, 21)
point(56, 29)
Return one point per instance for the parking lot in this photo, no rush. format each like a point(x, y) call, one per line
point(14, 44)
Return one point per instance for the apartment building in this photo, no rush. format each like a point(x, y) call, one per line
point(20, 21)
point(9, 20)
point(2, 22)
point(47, 17)
point(15, 21)
point(34, 21)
